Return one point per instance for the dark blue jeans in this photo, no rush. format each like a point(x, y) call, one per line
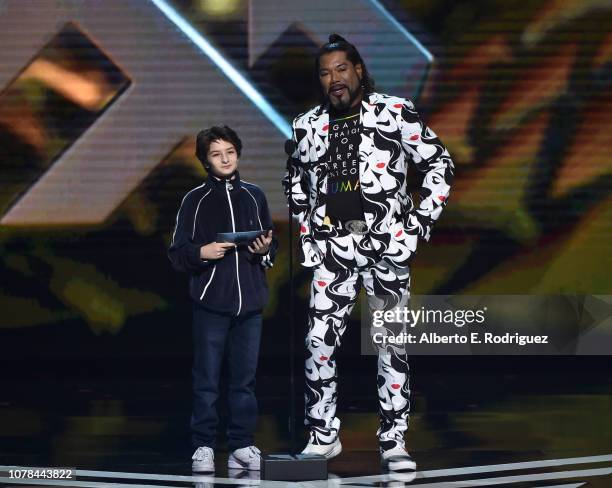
point(212, 334)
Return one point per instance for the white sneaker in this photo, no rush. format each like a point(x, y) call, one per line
point(330, 450)
point(248, 458)
point(203, 460)
point(397, 459)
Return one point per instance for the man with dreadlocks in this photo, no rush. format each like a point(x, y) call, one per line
point(358, 225)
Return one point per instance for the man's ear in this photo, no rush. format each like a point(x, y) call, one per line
point(359, 70)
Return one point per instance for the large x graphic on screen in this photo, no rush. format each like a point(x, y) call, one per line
point(176, 83)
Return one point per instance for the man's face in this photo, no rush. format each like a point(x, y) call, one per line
point(222, 158)
point(340, 80)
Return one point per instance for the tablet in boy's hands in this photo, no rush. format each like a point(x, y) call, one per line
point(240, 238)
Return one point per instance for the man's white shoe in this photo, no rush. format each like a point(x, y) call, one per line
point(326, 450)
point(203, 460)
point(397, 459)
point(248, 458)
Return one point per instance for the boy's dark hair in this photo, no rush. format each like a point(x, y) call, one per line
point(207, 136)
point(339, 43)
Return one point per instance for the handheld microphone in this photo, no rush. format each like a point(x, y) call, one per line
point(290, 147)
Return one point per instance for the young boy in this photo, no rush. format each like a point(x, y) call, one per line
point(228, 288)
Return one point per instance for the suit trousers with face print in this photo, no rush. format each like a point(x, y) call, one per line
point(333, 294)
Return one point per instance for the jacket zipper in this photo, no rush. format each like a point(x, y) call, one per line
point(227, 188)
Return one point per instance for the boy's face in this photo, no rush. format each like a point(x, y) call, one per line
point(222, 158)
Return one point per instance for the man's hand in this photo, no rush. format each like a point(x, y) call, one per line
point(261, 245)
point(215, 250)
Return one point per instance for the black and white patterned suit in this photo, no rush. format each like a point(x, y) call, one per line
point(392, 134)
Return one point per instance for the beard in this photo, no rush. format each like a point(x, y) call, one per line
point(347, 99)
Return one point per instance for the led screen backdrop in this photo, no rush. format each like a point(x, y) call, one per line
point(100, 103)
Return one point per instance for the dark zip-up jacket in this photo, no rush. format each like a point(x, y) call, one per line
point(236, 283)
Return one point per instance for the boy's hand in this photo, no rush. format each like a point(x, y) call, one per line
point(261, 245)
point(215, 250)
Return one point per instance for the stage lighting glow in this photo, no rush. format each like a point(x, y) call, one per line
point(403, 30)
point(219, 8)
point(228, 70)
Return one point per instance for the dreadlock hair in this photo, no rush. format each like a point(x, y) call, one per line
point(339, 43)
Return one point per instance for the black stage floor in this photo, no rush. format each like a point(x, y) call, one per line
point(540, 423)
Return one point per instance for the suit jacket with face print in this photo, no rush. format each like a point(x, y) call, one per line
point(392, 135)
